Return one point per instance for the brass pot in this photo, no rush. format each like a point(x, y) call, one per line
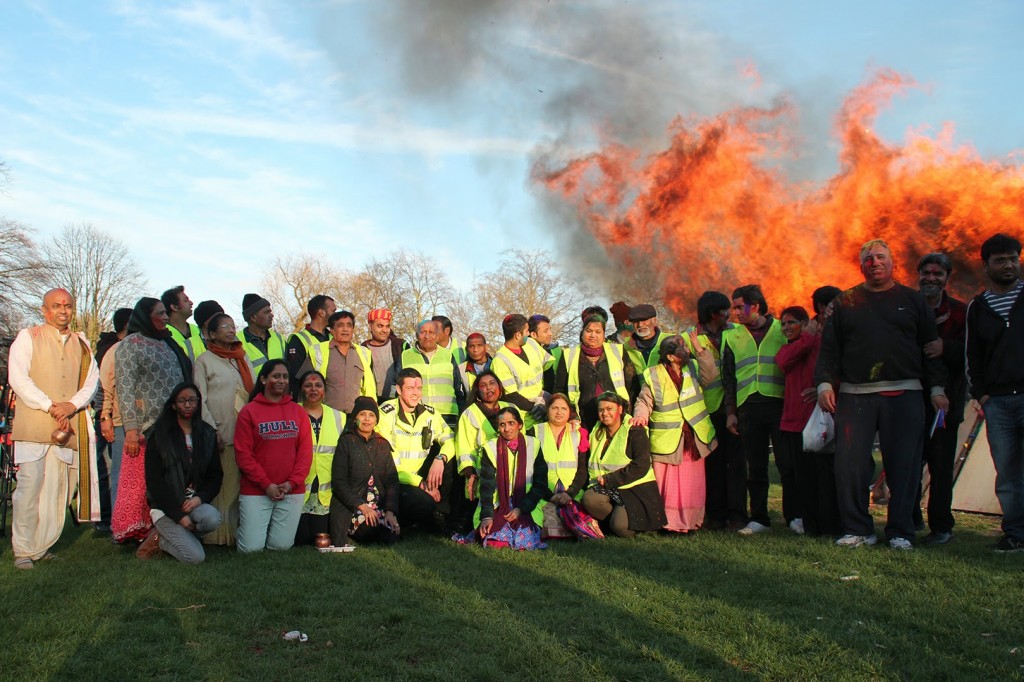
point(323, 540)
point(61, 437)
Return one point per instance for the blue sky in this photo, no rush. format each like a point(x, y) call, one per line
point(212, 136)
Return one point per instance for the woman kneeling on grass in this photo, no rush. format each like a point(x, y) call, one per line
point(623, 489)
point(565, 452)
point(365, 481)
point(513, 482)
point(274, 450)
point(183, 475)
point(327, 424)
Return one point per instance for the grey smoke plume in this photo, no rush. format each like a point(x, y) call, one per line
point(565, 73)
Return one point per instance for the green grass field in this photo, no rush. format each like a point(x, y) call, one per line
point(710, 606)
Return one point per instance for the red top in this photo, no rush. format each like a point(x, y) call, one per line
point(273, 444)
point(796, 359)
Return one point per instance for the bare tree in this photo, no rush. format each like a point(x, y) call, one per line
point(23, 275)
point(409, 284)
point(530, 283)
point(98, 270)
point(292, 280)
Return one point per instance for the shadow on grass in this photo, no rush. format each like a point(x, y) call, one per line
point(569, 618)
point(895, 614)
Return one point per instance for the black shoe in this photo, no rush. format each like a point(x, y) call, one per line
point(938, 538)
point(1007, 544)
point(714, 525)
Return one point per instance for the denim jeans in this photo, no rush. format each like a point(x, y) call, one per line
point(1004, 417)
point(184, 544)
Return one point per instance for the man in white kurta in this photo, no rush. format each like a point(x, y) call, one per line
point(54, 388)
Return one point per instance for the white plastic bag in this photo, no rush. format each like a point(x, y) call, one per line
point(820, 432)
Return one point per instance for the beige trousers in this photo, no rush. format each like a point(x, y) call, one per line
point(41, 501)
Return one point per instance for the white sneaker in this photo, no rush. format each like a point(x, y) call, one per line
point(752, 528)
point(856, 540)
point(797, 526)
point(901, 543)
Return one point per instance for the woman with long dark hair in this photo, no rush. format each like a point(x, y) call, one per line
point(183, 476)
point(623, 490)
point(327, 424)
point(513, 483)
point(274, 450)
point(148, 364)
point(565, 452)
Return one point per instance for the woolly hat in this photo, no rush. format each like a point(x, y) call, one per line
point(204, 311)
point(364, 403)
point(252, 304)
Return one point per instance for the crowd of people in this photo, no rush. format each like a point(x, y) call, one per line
point(207, 433)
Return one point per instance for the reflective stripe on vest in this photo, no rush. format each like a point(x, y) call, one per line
point(193, 346)
point(613, 356)
point(517, 376)
point(756, 371)
point(614, 458)
point(457, 349)
point(411, 442)
point(323, 454)
point(637, 358)
point(714, 394)
point(438, 378)
point(490, 451)
point(474, 429)
point(275, 349)
point(562, 460)
point(321, 356)
point(306, 338)
point(672, 407)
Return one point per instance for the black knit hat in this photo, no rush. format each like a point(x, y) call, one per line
point(204, 311)
point(364, 403)
point(252, 304)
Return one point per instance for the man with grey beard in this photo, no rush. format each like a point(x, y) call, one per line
point(933, 273)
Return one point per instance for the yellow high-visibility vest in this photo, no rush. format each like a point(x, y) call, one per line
point(613, 355)
point(672, 407)
point(321, 356)
point(331, 425)
point(439, 377)
point(193, 345)
point(714, 394)
point(603, 462)
point(275, 349)
point(562, 459)
point(473, 430)
point(637, 358)
point(756, 371)
point(411, 442)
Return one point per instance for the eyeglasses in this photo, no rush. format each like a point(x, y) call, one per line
point(187, 401)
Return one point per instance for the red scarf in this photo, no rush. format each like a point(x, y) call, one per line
point(510, 493)
point(237, 353)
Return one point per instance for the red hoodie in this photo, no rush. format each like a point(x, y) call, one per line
point(273, 444)
point(797, 360)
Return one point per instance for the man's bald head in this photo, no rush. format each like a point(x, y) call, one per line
point(58, 308)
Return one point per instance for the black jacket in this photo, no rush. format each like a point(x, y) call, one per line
point(164, 489)
point(995, 349)
point(355, 460)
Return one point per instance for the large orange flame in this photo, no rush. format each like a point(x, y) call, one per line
point(715, 211)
